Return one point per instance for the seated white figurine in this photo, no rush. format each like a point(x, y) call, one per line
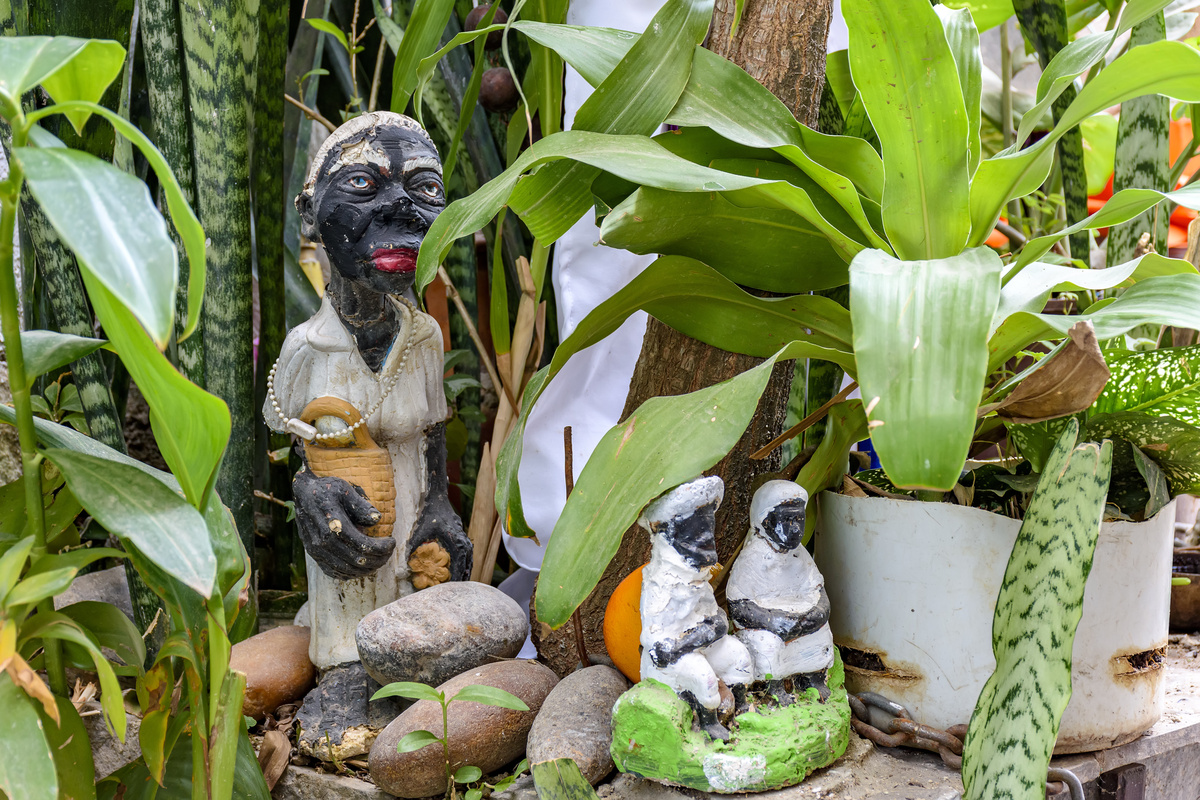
point(777, 596)
point(685, 641)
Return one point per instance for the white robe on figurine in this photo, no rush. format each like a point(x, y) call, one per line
point(675, 598)
point(775, 581)
point(319, 358)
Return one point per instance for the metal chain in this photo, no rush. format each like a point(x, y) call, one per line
point(899, 730)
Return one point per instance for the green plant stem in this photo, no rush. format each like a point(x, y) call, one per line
point(446, 744)
point(218, 655)
point(10, 194)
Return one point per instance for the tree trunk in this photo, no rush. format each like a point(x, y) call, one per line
point(781, 43)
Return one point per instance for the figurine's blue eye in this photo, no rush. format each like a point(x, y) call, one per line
point(430, 190)
point(359, 182)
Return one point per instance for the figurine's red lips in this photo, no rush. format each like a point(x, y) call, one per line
point(399, 259)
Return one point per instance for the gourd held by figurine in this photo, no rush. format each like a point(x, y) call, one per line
point(755, 709)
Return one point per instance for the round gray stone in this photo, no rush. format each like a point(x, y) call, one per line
point(434, 634)
point(576, 721)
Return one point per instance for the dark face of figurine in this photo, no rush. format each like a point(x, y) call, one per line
point(783, 526)
point(692, 537)
point(374, 198)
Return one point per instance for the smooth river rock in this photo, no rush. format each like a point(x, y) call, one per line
point(484, 736)
point(576, 721)
point(277, 669)
point(434, 634)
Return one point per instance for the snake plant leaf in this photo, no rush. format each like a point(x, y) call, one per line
point(1159, 300)
point(1015, 723)
point(763, 248)
point(1173, 445)
point(906, 74)
point(1164, 382)
point(1065, 382)
point(108, 218)
point(66, 67)
point(27, 769)
point(920, 339)
point(1169, 68)
point(635, 98)
point(663, 443)
point(46, 351)
point(142, 511)
point(963, 38)
point(421, 37)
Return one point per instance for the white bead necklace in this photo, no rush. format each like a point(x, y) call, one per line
point(308, 432)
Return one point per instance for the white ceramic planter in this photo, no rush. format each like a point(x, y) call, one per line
point(913, 589)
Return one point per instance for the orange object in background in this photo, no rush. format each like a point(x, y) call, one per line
point(997, 239)
point(623, 626)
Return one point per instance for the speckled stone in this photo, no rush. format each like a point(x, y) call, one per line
point(484, 736)
point(277, 669)
point(576, 721)
point(434, 634)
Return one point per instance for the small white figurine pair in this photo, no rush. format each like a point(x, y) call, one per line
point(776, 598)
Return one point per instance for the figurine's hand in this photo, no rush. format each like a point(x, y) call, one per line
point(788, 626)
point(329, 515)
point(440, 527)
point(665, 653)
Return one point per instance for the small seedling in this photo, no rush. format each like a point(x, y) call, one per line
point(484, 695)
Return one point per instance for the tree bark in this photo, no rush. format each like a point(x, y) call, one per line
point(781, 43)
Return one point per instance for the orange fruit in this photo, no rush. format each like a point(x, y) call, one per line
point(623, 626)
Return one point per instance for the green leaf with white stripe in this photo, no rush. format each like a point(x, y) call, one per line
point(921, 344)
point(1173, 445)
point(1164, 382)
point(1016, 718)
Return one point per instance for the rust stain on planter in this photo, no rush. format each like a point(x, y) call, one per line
point(1144, 664)
point(874, 665)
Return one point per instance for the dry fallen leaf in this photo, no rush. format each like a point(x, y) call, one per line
point(1064, 383)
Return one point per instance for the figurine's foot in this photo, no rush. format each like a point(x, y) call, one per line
point(740, 704)
point(814, 680)
point(780, 693)
point(337, 720)
point(706, 718)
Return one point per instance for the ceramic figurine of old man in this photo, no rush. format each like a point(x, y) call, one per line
point(361, 384)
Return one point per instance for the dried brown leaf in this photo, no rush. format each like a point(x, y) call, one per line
point(1065, 383)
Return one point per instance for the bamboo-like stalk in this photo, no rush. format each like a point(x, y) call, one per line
point(219, 40)
point(269, 210)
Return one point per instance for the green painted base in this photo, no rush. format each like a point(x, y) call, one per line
point(770, 748)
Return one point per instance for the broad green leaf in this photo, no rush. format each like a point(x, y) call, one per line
point(27, 769)
point(142, 511)
point(152, 738)
point(111, 628)
point(635, 98)
point(1099, 150)
point(468, 774)
point(37, 588)
point(11, 564)
point(490, 696)
point(325, 26)
point(46, 351)
point(186, 223)
point(763, 248)
point(1027, 288)
point(987, 13)
point(906, 74)
point(76, 559)
point(1169, 68)
point(410, 690)
point(561, 779)
point(1156, 483)
point(190, 425)
point(108, 218)
point(1159, 300)
point(1036, 440)
point(920, 341)
point(66, 67)
point(72, 751)
point(416, 740)
point(1164, 382)
point(837, 72)
point(1015, 723)
point(963, 38)
point(663, 443)
point(57, 626)
point(634, 158)
point(421, 37)
point(1173, 445)
point(1124, 205)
